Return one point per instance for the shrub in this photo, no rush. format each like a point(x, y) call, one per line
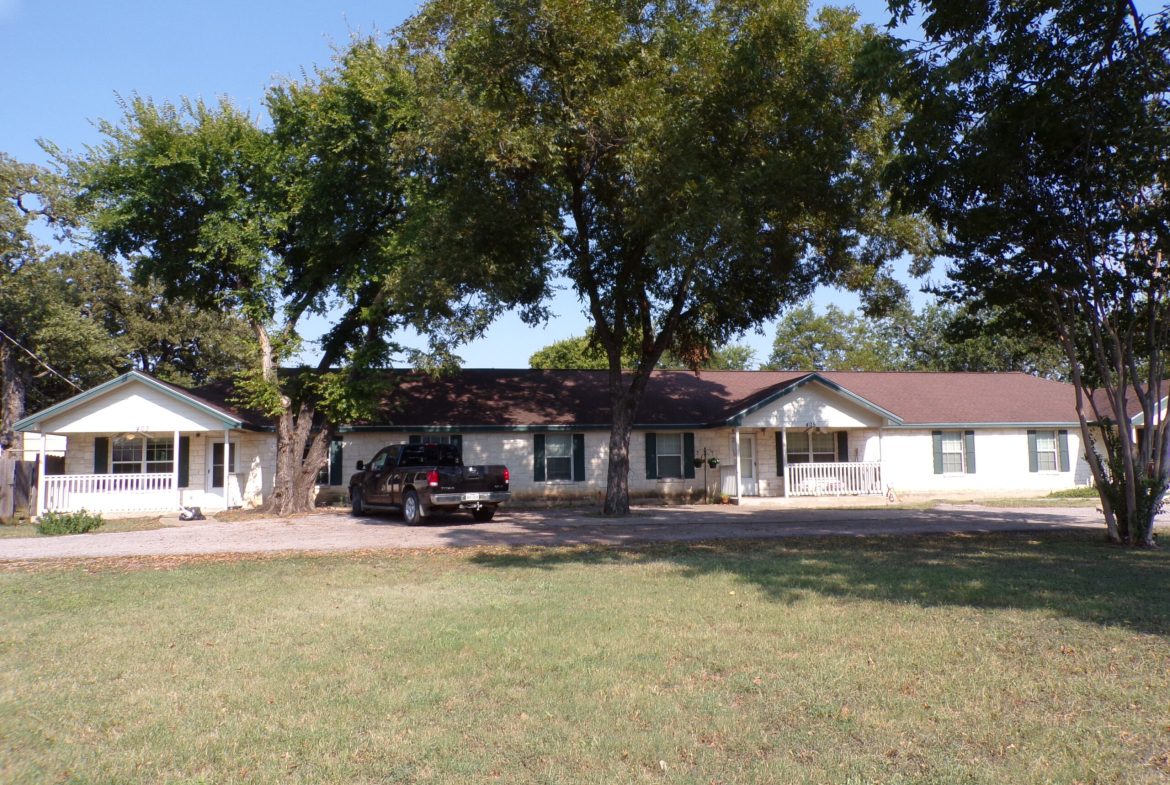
point(1082, 492)
point(68, 522)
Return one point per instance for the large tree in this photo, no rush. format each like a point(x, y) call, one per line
point(318, 213)
point(1038, 141)
point(691, 167)
point(70, 319)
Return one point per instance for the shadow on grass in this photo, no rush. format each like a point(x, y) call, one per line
point(1074, 574)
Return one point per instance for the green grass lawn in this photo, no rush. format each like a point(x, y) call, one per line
point(1008, 659)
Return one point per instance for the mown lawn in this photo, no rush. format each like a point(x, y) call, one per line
point(1007, 659)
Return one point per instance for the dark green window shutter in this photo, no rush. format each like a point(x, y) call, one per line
point(184, 461)
point(969, 451)
point(842, 446)
point(336, 457)
point(651, 456)
point(538, 457)
point(779, 453)
point(1062, 443)
point(578, 457)
point(688, 455)
point(101, 455)
point(1033, 459)
point(936, 438)
point(457, 443)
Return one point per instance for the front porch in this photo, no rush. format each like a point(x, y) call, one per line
point(807, 443)
point(137, 445)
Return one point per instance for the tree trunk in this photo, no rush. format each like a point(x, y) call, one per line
point(13, 389)
point(300, 451)
point(617, 486)
point(624, 402)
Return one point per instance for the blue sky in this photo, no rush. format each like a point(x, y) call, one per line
point(69, 60)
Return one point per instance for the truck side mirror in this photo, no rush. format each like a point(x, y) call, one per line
point(361, 465)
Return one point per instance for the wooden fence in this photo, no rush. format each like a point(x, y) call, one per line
point(17, 488)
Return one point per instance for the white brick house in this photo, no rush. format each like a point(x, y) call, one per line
point(135, 443)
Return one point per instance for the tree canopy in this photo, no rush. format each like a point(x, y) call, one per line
point(1036, 138)
point(322, 213)
point(938, 337)
point(691, 167)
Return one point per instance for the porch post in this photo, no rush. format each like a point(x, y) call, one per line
point(227, 464)
point(737, 491)
point(784, 457)
point(41, 479)
point(175, 471)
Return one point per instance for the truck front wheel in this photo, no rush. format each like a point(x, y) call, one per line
point(411, 510)
point(356, 502)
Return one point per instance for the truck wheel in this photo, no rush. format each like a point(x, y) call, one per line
point(411, 511)
point(484, 514)
point(357, 503)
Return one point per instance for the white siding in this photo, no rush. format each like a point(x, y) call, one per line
point(133, 406)
point(1001, 464)
point(813, 406)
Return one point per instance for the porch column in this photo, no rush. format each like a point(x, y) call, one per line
point(227, 463)
point(784, 456)
point(737, 490)
point(41, 479)
point(175, 471)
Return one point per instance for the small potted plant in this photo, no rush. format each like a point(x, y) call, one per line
point(713, 462)
point(698, 462)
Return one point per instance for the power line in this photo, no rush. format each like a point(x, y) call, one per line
point(50, 368)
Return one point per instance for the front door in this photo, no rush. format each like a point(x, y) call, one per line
point(221, 479)
point(747, 466)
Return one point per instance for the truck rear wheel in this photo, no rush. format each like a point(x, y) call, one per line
point(484, 514)
point(411, 510)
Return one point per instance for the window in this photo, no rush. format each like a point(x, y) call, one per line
point(670, 458)
point(1047, 457)
point(332, 472)
point(138, 455)
point(954, 452)
point(558, 457)
point(126, 455)
point(811, 447)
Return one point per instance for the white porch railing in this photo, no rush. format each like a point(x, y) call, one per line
point(834, 479)
point(109, 492)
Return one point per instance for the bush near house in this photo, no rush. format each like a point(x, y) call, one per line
point(69, 522)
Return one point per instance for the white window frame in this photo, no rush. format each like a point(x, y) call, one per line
point(953, 444)
point(1042, 453)
point(146, 453)
point(563, 441)
point(659, 454)
point(810, 454)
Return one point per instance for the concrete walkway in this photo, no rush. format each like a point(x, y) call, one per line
point(334, 531)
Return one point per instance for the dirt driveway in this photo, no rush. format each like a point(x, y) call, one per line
point(335, 531)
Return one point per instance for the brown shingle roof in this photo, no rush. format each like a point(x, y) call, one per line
point(517, 398)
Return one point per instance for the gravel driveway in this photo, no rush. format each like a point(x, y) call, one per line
point(335, 531)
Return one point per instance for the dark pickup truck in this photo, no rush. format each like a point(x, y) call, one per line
point(421, 479)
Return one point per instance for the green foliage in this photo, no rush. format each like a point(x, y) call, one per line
point(690, 167)
point(937, 338)
point(1082, 492)
point(80, 522)
point(1037, 138)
